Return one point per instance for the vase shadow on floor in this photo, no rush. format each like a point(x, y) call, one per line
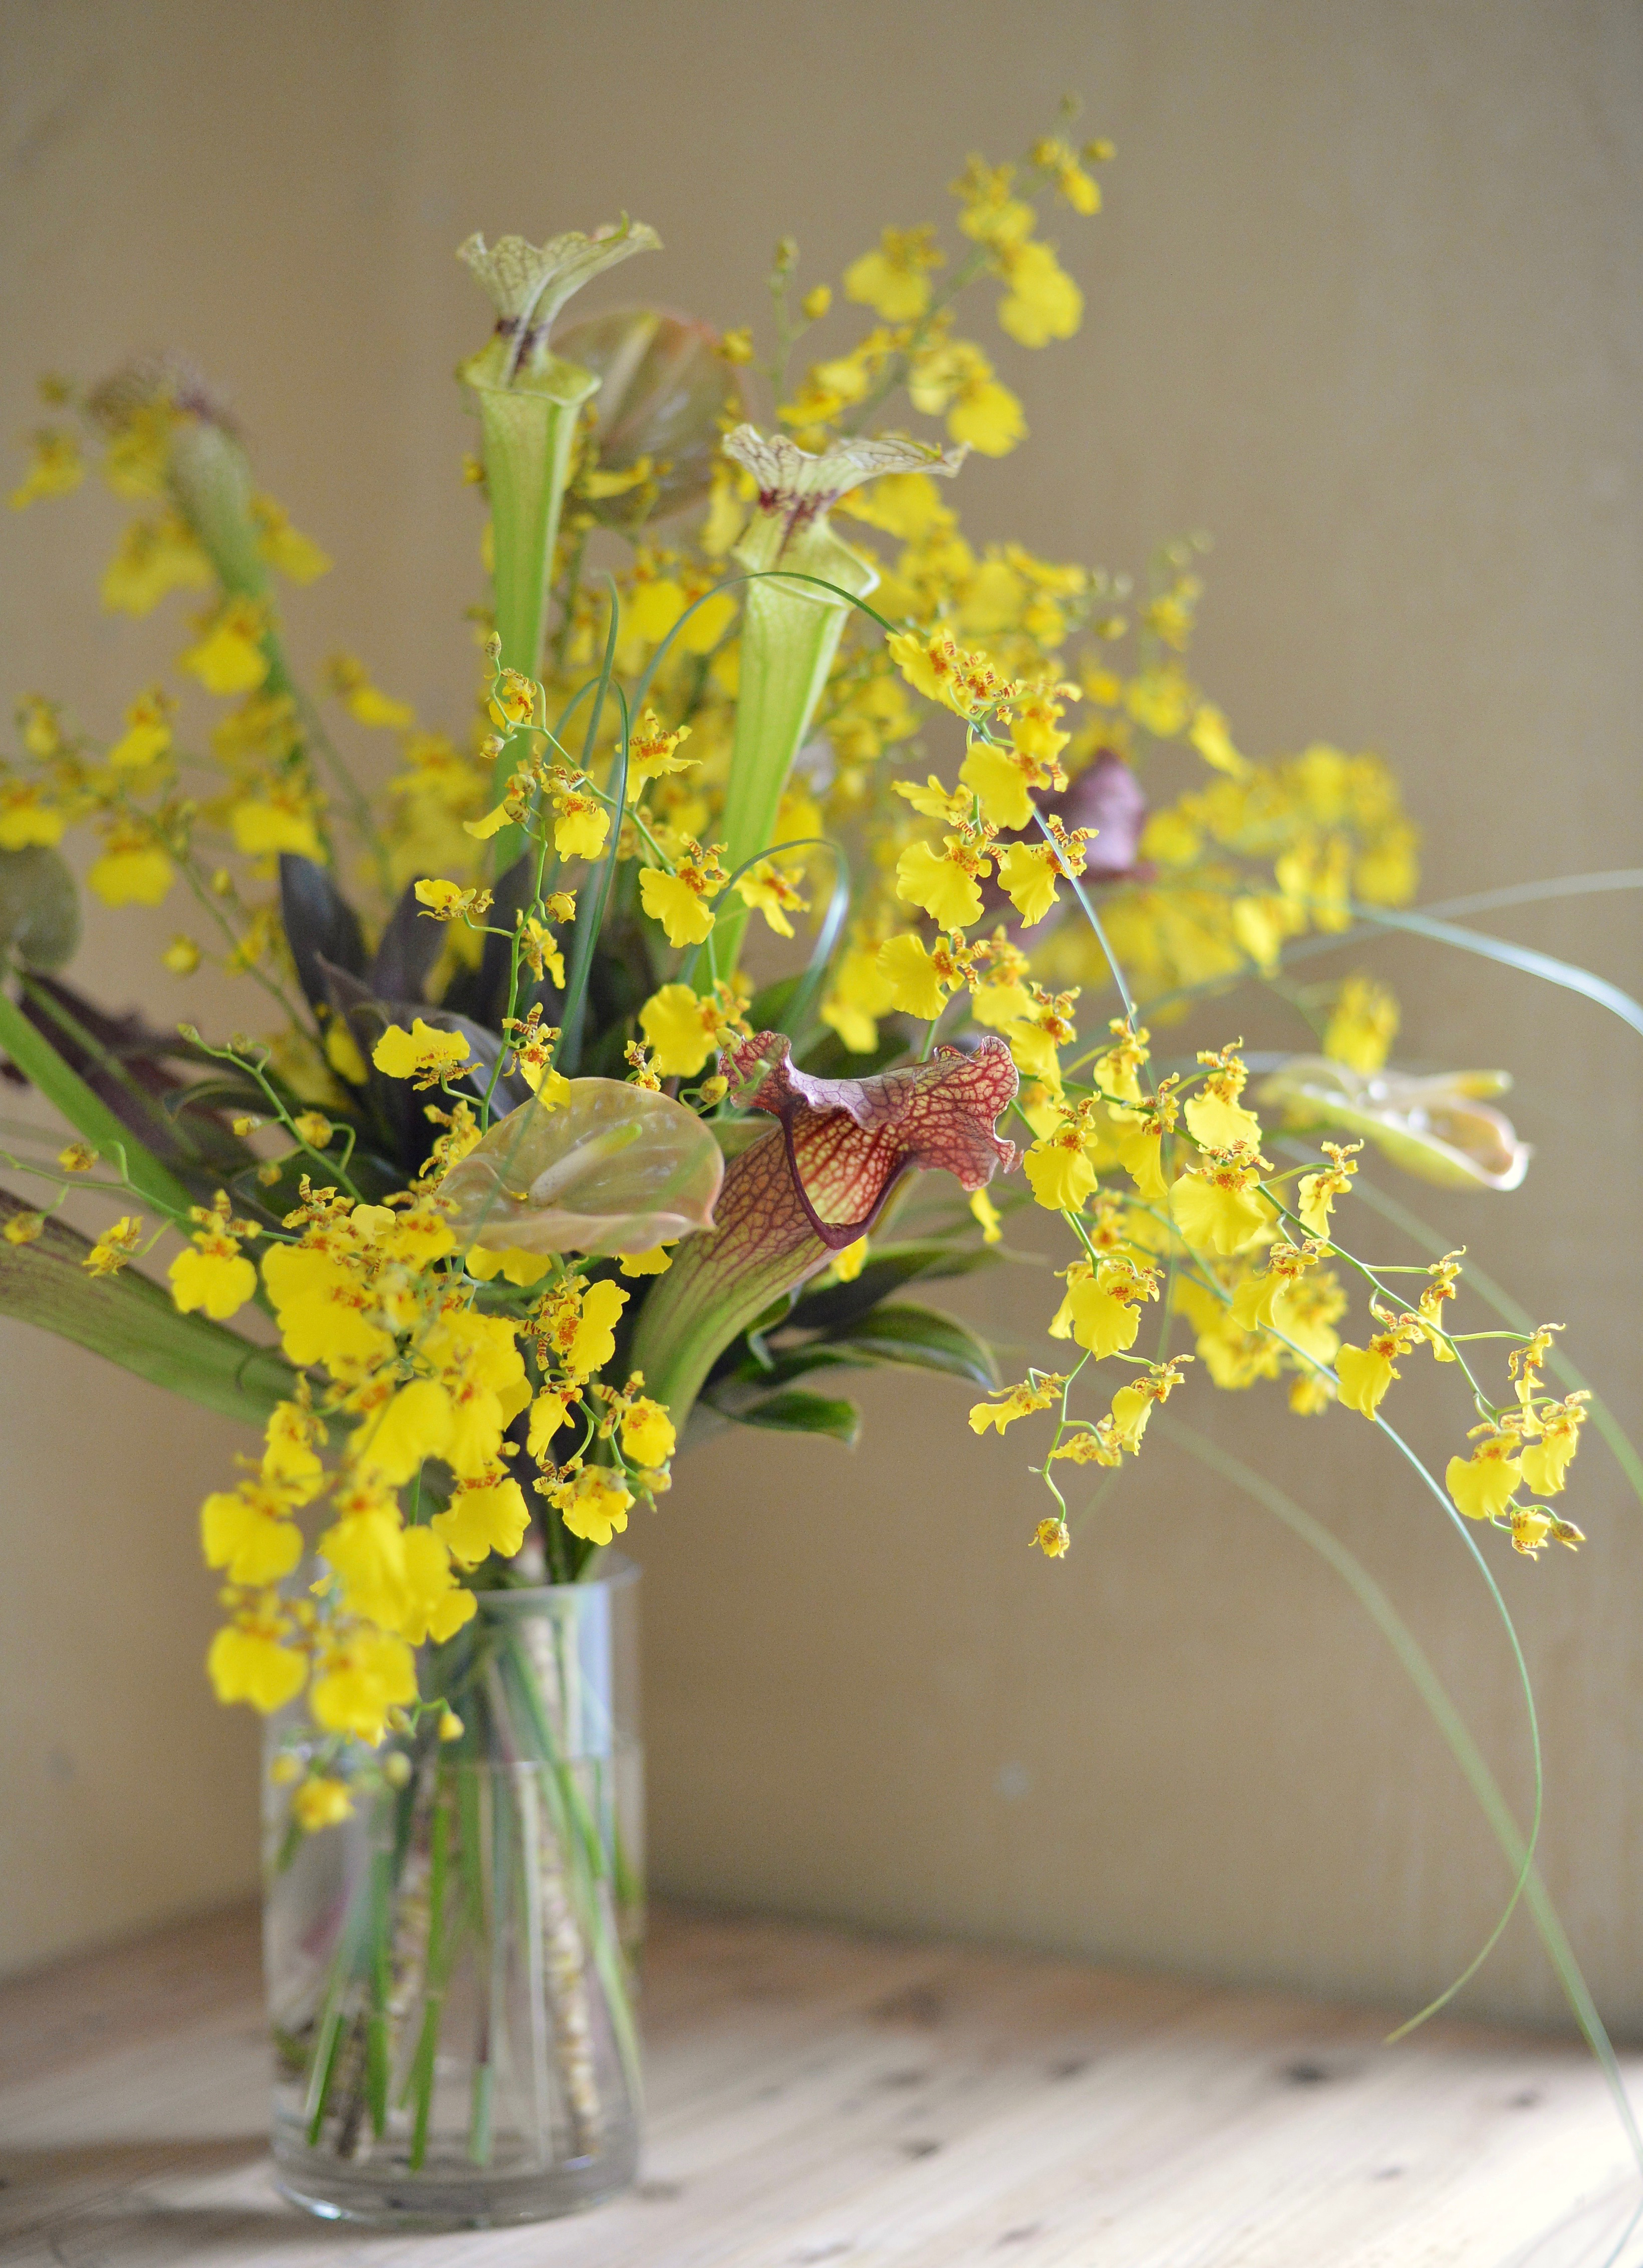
point(67, 2165)
point(155, 2236)
point(91, 2202)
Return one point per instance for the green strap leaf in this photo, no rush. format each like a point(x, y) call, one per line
point(1434, 921)
point(793, 1411)
point(1521, 957)
point(922, 1338)
point(132, 1322)
point(44, 1068)
point(836, 1307)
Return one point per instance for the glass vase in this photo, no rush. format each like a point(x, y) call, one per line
point(450, 1969)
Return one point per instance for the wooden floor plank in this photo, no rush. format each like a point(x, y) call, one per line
point(819, 2097)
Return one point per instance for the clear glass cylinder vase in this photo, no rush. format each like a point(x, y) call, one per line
point(452, 1969)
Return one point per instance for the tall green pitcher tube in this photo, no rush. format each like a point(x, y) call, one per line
point(529, 399)
point(791, 628)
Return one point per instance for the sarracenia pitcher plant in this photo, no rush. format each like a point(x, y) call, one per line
point(542, 1155)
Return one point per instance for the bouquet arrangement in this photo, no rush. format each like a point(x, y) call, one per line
point(540, 1159)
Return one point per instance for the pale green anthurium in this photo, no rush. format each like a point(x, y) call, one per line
point(610, 1168)
point(527, 400)
point(790, 630)
point(1440, 1129)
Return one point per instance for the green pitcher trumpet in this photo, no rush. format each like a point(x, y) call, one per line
point(527, 398)
point(790, 629)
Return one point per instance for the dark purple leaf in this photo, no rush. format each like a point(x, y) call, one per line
point(320, 926)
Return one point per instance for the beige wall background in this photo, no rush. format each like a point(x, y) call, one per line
point(1365, 302)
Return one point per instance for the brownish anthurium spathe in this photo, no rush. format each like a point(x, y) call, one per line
point(813, 1183)
point(1440, 1128)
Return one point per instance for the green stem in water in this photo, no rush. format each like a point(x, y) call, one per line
point(377, 2023)
point(433, 1999)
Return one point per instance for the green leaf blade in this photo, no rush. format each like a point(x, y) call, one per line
point(132, 1322)
point(922, 1338)
point(44, 1068)
point(794, 1411)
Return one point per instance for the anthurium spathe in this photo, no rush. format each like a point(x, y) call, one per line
point(614, 1168)
point(1440, 1128)
point(811, 1186)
